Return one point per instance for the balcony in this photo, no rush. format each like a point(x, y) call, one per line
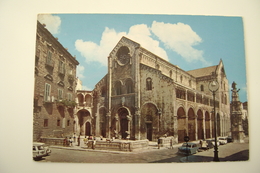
point(49, 63)
point(61, 71)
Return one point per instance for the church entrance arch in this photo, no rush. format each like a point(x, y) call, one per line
point(123, 122)
point(181, 124)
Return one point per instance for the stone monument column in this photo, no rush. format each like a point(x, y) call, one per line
point(237, 131)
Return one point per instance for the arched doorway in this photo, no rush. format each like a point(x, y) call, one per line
point(88, 129)
point(200, 124)
point(207, 124)
point(181, 124)
point(123, 113)
point(191, 124)
point(103, 122)
point(84, 120)
point(218, 125)
point(150, 121)
point(212, 124)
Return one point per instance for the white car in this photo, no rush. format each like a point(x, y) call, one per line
point(222, 140)
point(40, 150)
point(213, 142)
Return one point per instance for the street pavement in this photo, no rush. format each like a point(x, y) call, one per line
point(227, 152)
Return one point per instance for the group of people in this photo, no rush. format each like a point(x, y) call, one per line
point(72, 140)
point(160, 142)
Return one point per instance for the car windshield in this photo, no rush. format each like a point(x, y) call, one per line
point(40, 147)
point(186, 145)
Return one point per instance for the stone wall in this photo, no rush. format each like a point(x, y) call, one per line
point(126, 146)
point(55, 67)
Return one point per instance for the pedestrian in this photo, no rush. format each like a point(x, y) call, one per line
point(65, 142)
point(171, 143)
point(86, 141)
point(74, 137)
point(94, 144)
point(79, 140)
point(70, 142)
point(201, 143)
point(159, 143)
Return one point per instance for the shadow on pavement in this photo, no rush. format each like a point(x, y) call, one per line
point(175, 159)
point(240, 156)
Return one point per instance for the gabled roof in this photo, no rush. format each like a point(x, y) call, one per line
point(203, 71)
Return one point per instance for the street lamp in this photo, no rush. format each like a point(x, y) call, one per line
point(213, 87)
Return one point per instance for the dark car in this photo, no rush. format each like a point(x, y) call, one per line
point(188, 148)
point(229, 139)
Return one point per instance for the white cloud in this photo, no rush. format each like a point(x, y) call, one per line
point(80, 71)
point(179, 38)
point(52, 22)
point(94, 52)
point(99, 52)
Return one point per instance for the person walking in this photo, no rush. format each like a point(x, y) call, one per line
point(171, 143)
point(85, 141)
point(79, 140)
point(70, 142)
point(74, 137)
point(159, 143)
point(65, 142)
point(94, 144)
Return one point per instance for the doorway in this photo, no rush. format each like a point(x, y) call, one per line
point(149, 131)
point(124, 127)
point(88, 129)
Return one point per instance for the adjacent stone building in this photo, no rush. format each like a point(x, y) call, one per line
point(145, 97)
point(54, 91)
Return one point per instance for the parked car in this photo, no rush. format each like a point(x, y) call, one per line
point(188, 148)
point(40, 150)
point(222, 140)
point(210, 144)
point(213, 142)
point(229, 139)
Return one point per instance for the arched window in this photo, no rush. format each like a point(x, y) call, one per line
point(88, 100)
point(129, 86)
point(202, 88)
point(148, 84)
point(118, 90)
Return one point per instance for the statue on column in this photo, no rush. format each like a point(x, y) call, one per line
point(236, 116)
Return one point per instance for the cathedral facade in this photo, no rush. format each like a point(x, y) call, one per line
point(145, 97)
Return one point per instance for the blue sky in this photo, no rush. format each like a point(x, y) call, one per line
point(189, 41)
